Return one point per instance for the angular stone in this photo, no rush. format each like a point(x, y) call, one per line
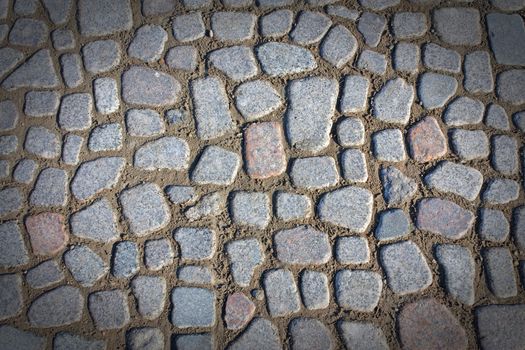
point(469, 144)
point(101, 56)
point(499, 272)
point(150, 292)
point(194, 274)
point(441, 59)
point(238, 311)
point(245, 256)
point(457, 25)
point(105, 137)
point(158, 253)
point(85, 265)
point(493, 225)
point(165, 153)
point(342, 12)
point(236, 62)
point(478, 72)
point(371, 27)
point(426, 140)
point(46, 232)
point(443, 217)
point(355, 94)
point(37, 72)
point(13, 251)
point(496, 117)
point(109, 309)
point(72, 72)
point(106, 95)
point(372, 61)
point(195, 243)
point(518, 227)
point(281, 59)
point(406, 57)
point(211, 204)
point(256, 99)
point(388, 145)
point(463, 111)
point(339, 46)
point(38, 104)
point(314, 172)
point(358, 290)
point(10, 200)
point(393, 102)
point(50, 188)
point(188, 27)
point(157, 7)
point(459, 271)
point(504, 157)
point(250, 208)
point(314, 290)
point(392, 224)
point(44, 275)
point(510, 86)
point(302, 245)
point(11, 296)
point(71, 149)
point(76, 112)
point(349, 207)
point(436, 89)
point(310, 27)
point(233, 26)
point(519, 120)
point(59, 11)
point(455, 178)
point(125, 259)
point(506, 32)
point(66, 341)
point(216, 166)
point(183, 58)
point(148, 43)
point(63, 39)
point(28, 32)
point(199, 341)
point(95, 176)
point(9, 58)
point(276, 23)
point(58, 307)
point(148, 87)
point(25, 170)
point(103, 17)
point(353, 165)
point(407, 25)
point(145, 338)
point(350, 132)
point(192, 307)
point(260, 334)
point(309, 334)
point(501, 191)
point(282, 296)
point(362, 335)
point(499, 326)
point(8, 115)
point(144, 123)
point(14, 338)
point(352, 250)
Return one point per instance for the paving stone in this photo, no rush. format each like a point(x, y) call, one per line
point(518, 231)
point(505, 32)
point(165, 153)
point(281, 59)
point(216, 166)
point(499, 326)
point(358, 290)
point(71, 65)
point(463, 111)
point(273, 3)
point(42, 142)
point(61, 306)
point(434, 90)
point(496, 117)
point(150, 293)
point(195, 274)
point(510, 86)
point(28, 32)
point(59, 11)
point(392, 224)
point(4, 9)
point(349, 207)
point(353, 165)
point(405, 267)
point(71, 149)
point(393, 102)
point(504, 157)
point(96, 221)
point(439, 58)
point(46, 232)
point(5, 169)
point(407, 25)
point(276, 24)
point(9, 58)
point(362, 335)
point(250, 209)
point(13, 251)
point(260, 334)
point(11, 296)
point(372, 61)
point(371, 26)
point(192, 307)
point(455, 178)
point(237, 62)
point(388, 145)
point(109, 309)
point(65, 341)
point(308, 119)
point(103, 17)
point(144, 123)
point(125, 259)
point(44, 275)
point(469, 144)
point(158, 253)
point(37, 71)
point(245, 255)
point(196, 4)
point(50, 188)
point(379, 5)
point(499, 272)
point(508, 5)
point(145, 208)
point(427, 324)
point(339, 46)
point(188, 27)
point(199, 341)
point(406, 57)
point(309, 333)
point(282, 296)
point(501, 191)
point(237, 3)
point(426, 141)
point(176, 116)
point(350, 132)
point(76, 112)
point(354, 94)
point(101, 55)
point(519, 120)
point(25, 7)
point(443, 217)
point(105, 137)
point(85, 265)
point(149, 87)
point(106, 95)
point(37, 104)
point(10, 200)
point(182, 58)
point(478, 72)
point(157, 7)
point(493, 225)
point(8, 115)
point(145, 338)
point(458, 271)
point(212, 115)
point(63, 39)
point(314, 172)
point(211, 204)
point(25, 171)
point(4, 29)
point(148, 43)
point(95, 176)
point(195, 243)
point(8, 144)
point(352, 250)
point(256, 99)
point(310, 27)
point(457, 25)
point(239, 310)
point(12, 338)
point(302, 245)
point(233, 26)
point(342, 12)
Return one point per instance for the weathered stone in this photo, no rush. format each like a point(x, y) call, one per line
point(397, 188)
point(493, 225)
point(10, 201)
point(355, 94)
point(310, 27)
point(264, 154)
point(349, 207)
point(342, 12)
point(309, 334)
point(371, 26)
point(157, 7)
point(314, 290)
point(66, 341)
point(188, 27)
point(392, 224)
point(150, 292)
point(216, 166)
point(183, 58)
point(105, 137)
point(459, 270)
point(499, 272)
point(37, 104)
point(238, 311)
point(42, 142)
point(339, 46)
point(72, 72)
point(352, 250)
point(109, 309)
point(496, 117)
point(504, 157)
point(426, 141)
point(469, 144)
point(47, 233)
point(37, 72)
point(198, 341)
point(195, 274)
point(518, 227)
point(58, 307)
point(71, 149)
point(455, 178)
point(256, 99)
point(314, 172)
point(9, 58)
point(406, 57)
point(96, 175)
point(434, 90)
point(358, 290)
point(362, 335)
point(170, 153)
point(250, 208)
point(236, 62)
point(9, 115)
point(59, 11)
point(25, 170)
point(282, 296)
point(148, 87)
point(76, 112)
point(505, 32)
point(13, 251)
point(499, 326)
point(442, 59)
point(28, 32)
point(245, 256)
point(260, 334)
point(63, 39)
point(281, 59)
point(443, 217)
point(393, 102)
point(195, 243)
point(193, 307)
point(106, 95)
point(50, 188)
point(85, 265)
point(350, 132)
point(103, 17)
point(463, 111)
point(302, 245)
point(44, 275)
point(11, 296)
point(233, 26)
point(144, 123)
point(8, 144)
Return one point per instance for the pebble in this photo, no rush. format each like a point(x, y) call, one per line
point(95, 176)
point(457, 25)
point(310, 27)
point(85, 265)
point(314, 290)
point(101, 56)
point(388, 145)
point(276, 24)
point(250, 209)
point(443, 217)
point(281, 59)
point(44, 275)
point(96, 222)
point(459, 271)
point(493, 225)
point(499, 326)
point(393, 102)
point(309, 334)
point(37, 104)
point(239, 311)
point(352, 250)
point(282, 296)
point(145, 338)
point(188, 27)
point(302, 245)
point(455, 178)
point(256, 99)
point(339, 46)
point(233, 26)
point(11, 295)
point(47, 233)
point(103, 17)
point(148, 43)
point(158, 253)
point(349, 207)
point(358, 290)
point(61, 306)
point(105, 137)
point(354, 95)
point(260, 334)
point(13, 250)
point(501, 191)
point(150, 293)
point(426, 141)
point(36, 72)
point(168, 152)
point(434, 90)
point(499, 272)
point(109, 309)
point(149, 87)
point(193, 307)
point(371, 26)
point(124, 259)
point(216, 166)
point(245, 255)
point(478, 73)
point(362, 335)
point(195, 243)
point(469, 144)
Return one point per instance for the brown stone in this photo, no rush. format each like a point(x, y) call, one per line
point(264, 155)
point(426, 325)
point(426, 140)
point(47, 233)
point(443, 217)
point(239, 311)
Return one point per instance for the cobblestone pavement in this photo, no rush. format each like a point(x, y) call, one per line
point(260, 175)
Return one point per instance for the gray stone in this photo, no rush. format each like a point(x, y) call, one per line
point(504, 157)
point(180, 194)
point(144, 123)
point(276, 23)
point(499, 272)
point(37, 71)
point(182, 58)
point(106, 95)
point(188, 27)
point(371, 26)
point(518, 227)
point(85, 265)
point(314, 172)
point(61, 306)
point(519, 120)
point(150, 293)
point(434, 90)
point(496, 117)
point(4, 9)
point(4, 29)
point(457, 25)
point(463, 111)
point(96, 222)
point(393, 102)
point(438, 58)
point(63, 39)
point(250, 209)
point(158, 253)
point(406, 25)
point(101, 56)
point(8, 115)
point(372, 61)
point(66, 341)
point(50, 188)
point(71, 149)
point(5, 169)
point(478, 72)
point(358, 290)
point(309, 334)
point(392, 224)
point(72, 73)
point(349, 207)
point(11, 296)
point(459, 270)
point(196, 4)
point(216, 166)
point(13, 251)
point(195, 243)
point(245, 256)
point(362, 335)
point(339, 46)
point(256, 99)
point(302, 245)
point(37, 104)
point(314, 290)
point(165, 153)
point(25, 7)
point(389, 145)
point(195, 274)
point(95, 176)
point(455, 178)
point(76, 112)
point(469, 144)
point(25, 171)
point(157, 7)
point(510, 86)
point(273, 3)
point(260, 333)
point(145, 338)
point(193, 307)
point(508, 5)
point(350, 131)
point(310, 27)
point(8, 144)
point(149, 87)
point(59, 11)
point(280, 59)
point(233, 26)
point(211, 204)
point(236, 62)
point(353, 165)
point(14, 338)
point(109, 309)
point(148, 43)
point(355, 94)
point(406, 57)
point(501, 191)
point(176, 116)
point(506, 32)
point(9, 58)
point(499, 326)
point(125, 259)
point(44, 275)
point(10, 201)
point(282, 296)
point(237, 3)
point(42, 142)
point(352, 250)
point(405, 267)
point(378, 5)
point(493, 225)
point(103, 17)
point(201, 341)
point(28, 32)
point(105, 137)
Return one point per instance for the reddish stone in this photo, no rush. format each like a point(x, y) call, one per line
point(426, 325)
point(47, 233)
point(264, 151)
point(426, 140)
point(443, 217)
point(239, 311)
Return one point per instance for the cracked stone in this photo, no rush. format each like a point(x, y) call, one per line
point(193, 307)
point(349, 207)
point(455, 178)
point(256, 99)
point(426, 141)
point(148, 43)
point(150, 292)
point(339, 46)
point(109, 309)
point(310, 27)
point(443, 217)
point(245, 256)
point(149, 87)
point(237, 62)
point(188, 27)
point(314, 172)
point(302, 245)
point(216, 166)
point(58, 307)
point(50, 188)
point(195, 243)
point(95, 176)
point(165, 153)
point(280, 59)
point(459, 271)
point(282, 296)
point(358, 290)
point(393, 102)
point(85, 265)
point(37, 72)
point(101, 55)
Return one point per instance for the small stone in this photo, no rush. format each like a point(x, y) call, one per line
point(388, 145)
point(245, 256)
point(211, 204)
point(459, 269)
point(276, 24)
point(379, 5)
point(358, 290)
point(8, 115)
point(392, 224)
point(499, 272)
point(25, 171)
point(519, 120)
point(239, 310)
point(314, 172)
point(10, 201)
point(260, 334)
point(310, 27)
point(309, 334)
point(11, 296)
point(518, 230)
point(5, 170)
point(457, 25)
point(65, 341)
point(355, 94)
point(349, 207)
point(282, 296)
point(61, 306)
point(342, 12)
point(157, 7)
point(195, 274)
point(510, 86)
point(314, 290)
point(499, 326)
point(250, 209)
point(438, 58)
point(455, 178)
point(469, 144)
point(103, 17)
point(158, 253)
point(72, 69)
point(150, 292)
point(176, 116)
point(109, 309)
point(145, 338)
point(372, 61)
point(236, 62)
point(352, 250)
point(233, 26)
point(405, 267)
point(44, 275)
point(188, 27)
point(63, 39)
point(256, 99)
point(204, 341)
point(443, 217)
point(350, 132)
point(216, 166)
point(183, 58)
point(436, 89)
point(13, 251)
point(478, 73)
point(106, 95)
point(95, 176)
point(8, 144)
point(426, 141)
point(371, 27)
point(362, 335)
point(37, 104)
point(406, 57)
point(505, 32)
point(290, 206)
point(493, 225)
point(196, 4)
point(302, 245)
point(407, 25)
point(393, 102)
point(165, 153)
point(71, 149)
point(28, 32)
point(42, 142)
point(339, 46)
point(105, 137)
point(14, 338)
point(148, 43)
point(46, 232)
point(281, 59)
point(145, 208)
point(144, 123)
point(501, 191)
point(463, 111)
point(25, 7)
point(195, 243)
point(101, 56)
point(76, 112)
point(36, 72)
point(504, 157)
point(149, 87)
point(58, 10)
point(125, 259)
point(192, 307)
point(9, 58)
point(353, 165)
point(85, 265)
